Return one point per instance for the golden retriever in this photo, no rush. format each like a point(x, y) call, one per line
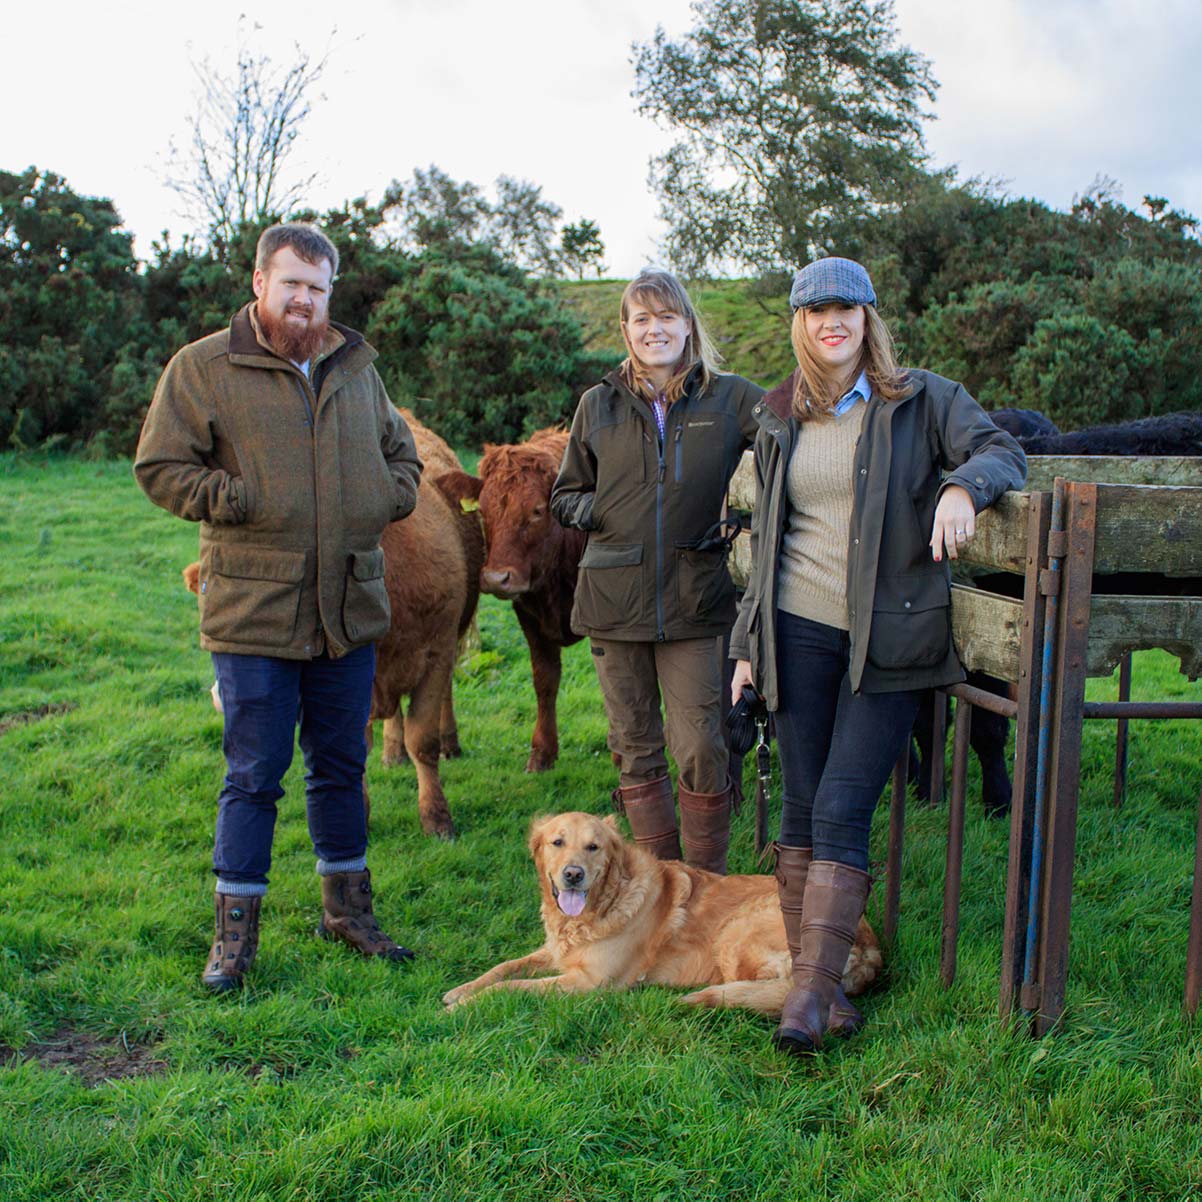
point(616, 917)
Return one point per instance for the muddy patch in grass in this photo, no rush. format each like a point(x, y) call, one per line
point(49, 710)
point(95, 1059)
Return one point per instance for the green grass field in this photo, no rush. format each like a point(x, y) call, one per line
point(334, 1078)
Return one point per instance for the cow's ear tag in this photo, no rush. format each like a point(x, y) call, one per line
point(469, 504)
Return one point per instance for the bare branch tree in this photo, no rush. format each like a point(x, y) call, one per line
point(240, 138)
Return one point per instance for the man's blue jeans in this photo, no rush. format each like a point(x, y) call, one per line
point(264, 698)
point(837, 748)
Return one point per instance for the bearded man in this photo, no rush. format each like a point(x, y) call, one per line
point(278, 437)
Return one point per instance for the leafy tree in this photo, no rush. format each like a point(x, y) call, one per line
point(434, 208)
point(581, 248)
point(522, 226)
point(1172, 219)
point(69, 292)
point(475, 348)
point(794, 118)
point(241, 137)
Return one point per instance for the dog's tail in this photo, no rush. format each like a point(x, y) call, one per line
point(765, 997)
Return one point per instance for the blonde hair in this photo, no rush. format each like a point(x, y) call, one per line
point(816, 392)
point(661, 291)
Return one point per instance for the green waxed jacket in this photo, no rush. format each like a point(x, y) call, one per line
point(292, 482)
point(898, 597)
point(654, 568)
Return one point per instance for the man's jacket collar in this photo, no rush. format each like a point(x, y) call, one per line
point(245, 341)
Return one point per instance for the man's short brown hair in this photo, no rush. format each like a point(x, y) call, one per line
point(305, 240)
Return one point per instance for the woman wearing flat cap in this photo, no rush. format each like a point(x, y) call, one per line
point(869, 478)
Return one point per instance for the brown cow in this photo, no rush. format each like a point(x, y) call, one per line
point(426, 572)
point(437, 460)
point(531, 560)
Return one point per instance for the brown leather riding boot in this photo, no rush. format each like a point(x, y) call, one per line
point(834, 899)
point(346, 901)
point(705, 828)
point(651, 812)
point(792, 868)
point(235, 941)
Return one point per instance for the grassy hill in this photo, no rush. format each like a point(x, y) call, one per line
point(752, 337)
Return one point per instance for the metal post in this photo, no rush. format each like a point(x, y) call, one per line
point(955, 843)
point(1193, 955)
point(1026, 745)
point(897, 826)
point(1120, 742)
point(938, 745)
point(1068, 700)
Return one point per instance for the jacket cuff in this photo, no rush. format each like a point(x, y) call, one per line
point(976, 486)
point(237, 500)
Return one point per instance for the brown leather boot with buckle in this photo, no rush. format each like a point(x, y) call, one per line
point(792, 868)
point(235, 941)
point(705, 828)
point(346, 902)
point(652, 815)
point(831, 908)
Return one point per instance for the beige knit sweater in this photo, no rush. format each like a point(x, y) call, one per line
point(813, 560)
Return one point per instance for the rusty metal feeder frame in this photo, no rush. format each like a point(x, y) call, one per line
point(1050, 710)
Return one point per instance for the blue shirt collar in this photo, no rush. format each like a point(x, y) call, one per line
point(861, 390)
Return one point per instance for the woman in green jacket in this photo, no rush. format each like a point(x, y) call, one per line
point(645, 473)
point(868, 479)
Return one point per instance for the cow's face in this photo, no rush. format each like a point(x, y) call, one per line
point(519, 532)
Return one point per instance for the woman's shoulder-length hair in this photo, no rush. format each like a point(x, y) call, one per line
point(816, 392)
point(661, 292)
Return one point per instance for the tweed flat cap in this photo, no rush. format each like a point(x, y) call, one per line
point(827, 280)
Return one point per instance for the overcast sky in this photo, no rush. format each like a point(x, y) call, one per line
point(1042, 94)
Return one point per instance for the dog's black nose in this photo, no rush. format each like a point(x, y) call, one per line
point(573, 876)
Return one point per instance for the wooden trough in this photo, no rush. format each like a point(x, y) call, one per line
point(1083, 528)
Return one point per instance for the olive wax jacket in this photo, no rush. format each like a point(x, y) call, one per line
point(292, 482)
point(898, 597)
point(654, 567)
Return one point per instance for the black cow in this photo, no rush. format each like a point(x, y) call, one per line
point(1023, 423)
point(1168, 434)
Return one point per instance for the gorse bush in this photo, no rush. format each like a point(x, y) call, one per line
point(69, 292)
point(1089, 316)
point(475, 348)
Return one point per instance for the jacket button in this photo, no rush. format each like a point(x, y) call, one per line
point(906, 604)
point(980, 479)
point(863, 471)
point(855, 542)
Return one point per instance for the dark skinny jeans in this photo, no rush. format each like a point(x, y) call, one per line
point(837, 748)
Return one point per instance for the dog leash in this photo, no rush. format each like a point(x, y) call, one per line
point(763, 773)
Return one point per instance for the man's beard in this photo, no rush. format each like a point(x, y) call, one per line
point(298, 343)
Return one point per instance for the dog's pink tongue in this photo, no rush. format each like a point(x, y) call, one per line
point(571, 902)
